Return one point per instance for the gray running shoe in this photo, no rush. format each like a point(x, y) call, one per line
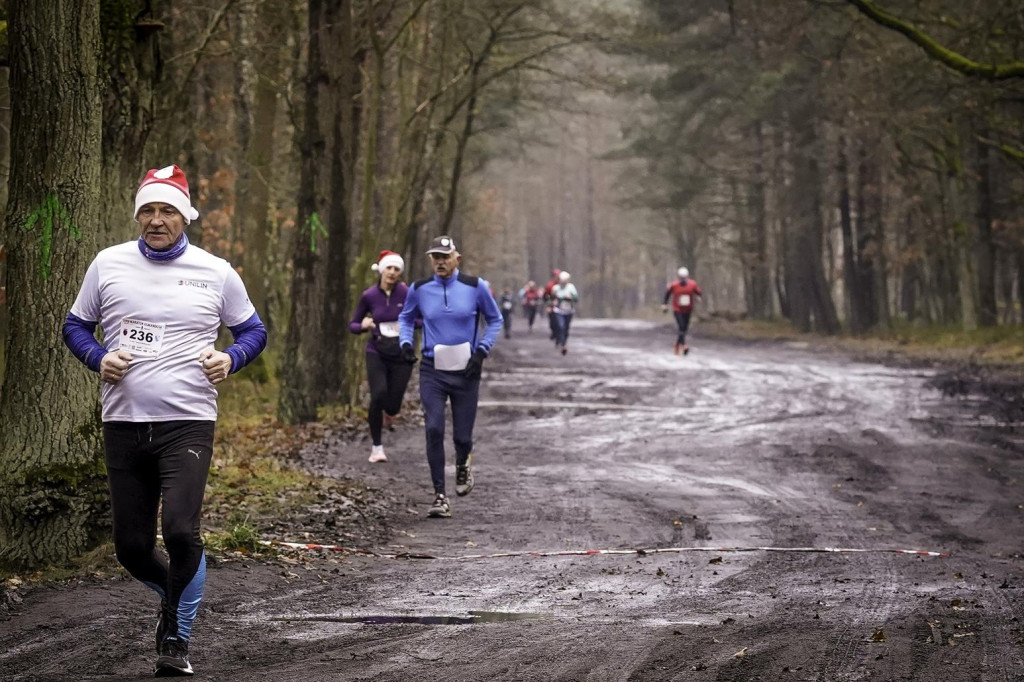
point(464, 478)
point(173, 659)
point(440, 509)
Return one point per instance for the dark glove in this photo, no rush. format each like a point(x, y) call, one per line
point(475, 365)
point(408, 354)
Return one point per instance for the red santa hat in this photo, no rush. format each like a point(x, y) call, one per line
point(166, 185)
point(386, 259)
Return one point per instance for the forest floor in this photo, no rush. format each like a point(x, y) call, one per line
point(781, 483)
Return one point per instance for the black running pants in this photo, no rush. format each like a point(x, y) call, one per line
point(148, 463)
point(388, 379)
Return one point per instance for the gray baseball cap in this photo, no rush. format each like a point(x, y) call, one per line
point(442, 244)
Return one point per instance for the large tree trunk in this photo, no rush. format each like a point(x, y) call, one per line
point(962, 239)
point(985, 248)
point(851, 269)
point(5, 167)
point(806, 284)
point(51, 484)
point(132, 63)
point(864, 298)
point(911, 280)
point(253, 186)
point(883, 319)
point(760, 295)
point(313, 351)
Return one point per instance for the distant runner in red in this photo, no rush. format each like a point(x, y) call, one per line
point(531, 300)
point(682, 293)
point(549, 304)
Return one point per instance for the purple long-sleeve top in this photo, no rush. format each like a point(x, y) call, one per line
point(382, 307)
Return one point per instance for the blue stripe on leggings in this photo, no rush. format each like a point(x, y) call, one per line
point(188, 603)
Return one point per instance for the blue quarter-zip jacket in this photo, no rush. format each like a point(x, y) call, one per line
point(449, 309)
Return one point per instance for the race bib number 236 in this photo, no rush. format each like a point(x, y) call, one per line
point(141, 338)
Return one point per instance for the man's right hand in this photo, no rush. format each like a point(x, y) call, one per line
point(664, 308)
point(114, 365)
point(408, 354)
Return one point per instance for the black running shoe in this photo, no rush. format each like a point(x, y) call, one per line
point(161, 624)
point(464, 477)
point(440, 509)
point(173, 659)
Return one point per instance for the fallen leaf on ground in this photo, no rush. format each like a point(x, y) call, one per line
point(741, 653)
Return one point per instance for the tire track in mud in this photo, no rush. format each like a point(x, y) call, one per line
point(847, 648)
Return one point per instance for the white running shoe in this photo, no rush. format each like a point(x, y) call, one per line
point(377, 454)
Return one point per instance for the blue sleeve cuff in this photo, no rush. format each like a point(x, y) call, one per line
point(250, 340)
point(79, 337)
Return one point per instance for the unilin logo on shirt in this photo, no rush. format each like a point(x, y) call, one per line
point(193, 283)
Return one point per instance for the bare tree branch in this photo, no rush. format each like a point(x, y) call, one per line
point(935, 50)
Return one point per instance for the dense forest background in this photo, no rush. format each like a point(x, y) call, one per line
point(843, 165)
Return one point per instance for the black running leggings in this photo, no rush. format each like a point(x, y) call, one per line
point(388, 379)
point(147, 462)
point(683, 323)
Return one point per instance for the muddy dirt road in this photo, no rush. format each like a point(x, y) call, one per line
point(621, 445)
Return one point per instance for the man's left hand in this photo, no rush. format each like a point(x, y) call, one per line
point(216, 364)
point(475, 366)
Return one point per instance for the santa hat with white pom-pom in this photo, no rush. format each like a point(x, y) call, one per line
point(166, 185)
point(386, 259)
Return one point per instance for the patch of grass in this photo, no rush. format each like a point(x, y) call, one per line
point(250, 482)
point(240, 536)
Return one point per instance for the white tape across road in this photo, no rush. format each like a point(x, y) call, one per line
point(594, 552)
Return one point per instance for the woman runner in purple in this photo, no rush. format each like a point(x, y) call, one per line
point(388, 374)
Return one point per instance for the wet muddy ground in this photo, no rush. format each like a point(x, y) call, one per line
point(775, 449)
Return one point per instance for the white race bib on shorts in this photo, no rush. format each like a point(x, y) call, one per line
point(389, 329)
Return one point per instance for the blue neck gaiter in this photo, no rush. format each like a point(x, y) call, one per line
point(170, 254)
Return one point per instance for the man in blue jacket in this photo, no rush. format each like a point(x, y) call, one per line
point(450, 304)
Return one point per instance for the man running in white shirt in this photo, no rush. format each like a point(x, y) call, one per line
point(160, 303)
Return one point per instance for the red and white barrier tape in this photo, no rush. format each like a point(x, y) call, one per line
point(592, 552)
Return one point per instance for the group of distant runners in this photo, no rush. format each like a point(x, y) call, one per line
point(160, 302)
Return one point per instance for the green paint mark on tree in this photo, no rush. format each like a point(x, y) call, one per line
point(48, 216)
point(315, 227)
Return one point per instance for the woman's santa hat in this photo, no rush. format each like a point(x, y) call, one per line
point(386, 259)
point(166, 185)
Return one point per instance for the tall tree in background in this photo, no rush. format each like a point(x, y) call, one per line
point(50, 455)
point(262, 82)
point(311, 367)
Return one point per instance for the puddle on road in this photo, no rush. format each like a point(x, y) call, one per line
point(474, 618)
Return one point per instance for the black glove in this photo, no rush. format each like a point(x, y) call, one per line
point(408, 354)
point(475, 365)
